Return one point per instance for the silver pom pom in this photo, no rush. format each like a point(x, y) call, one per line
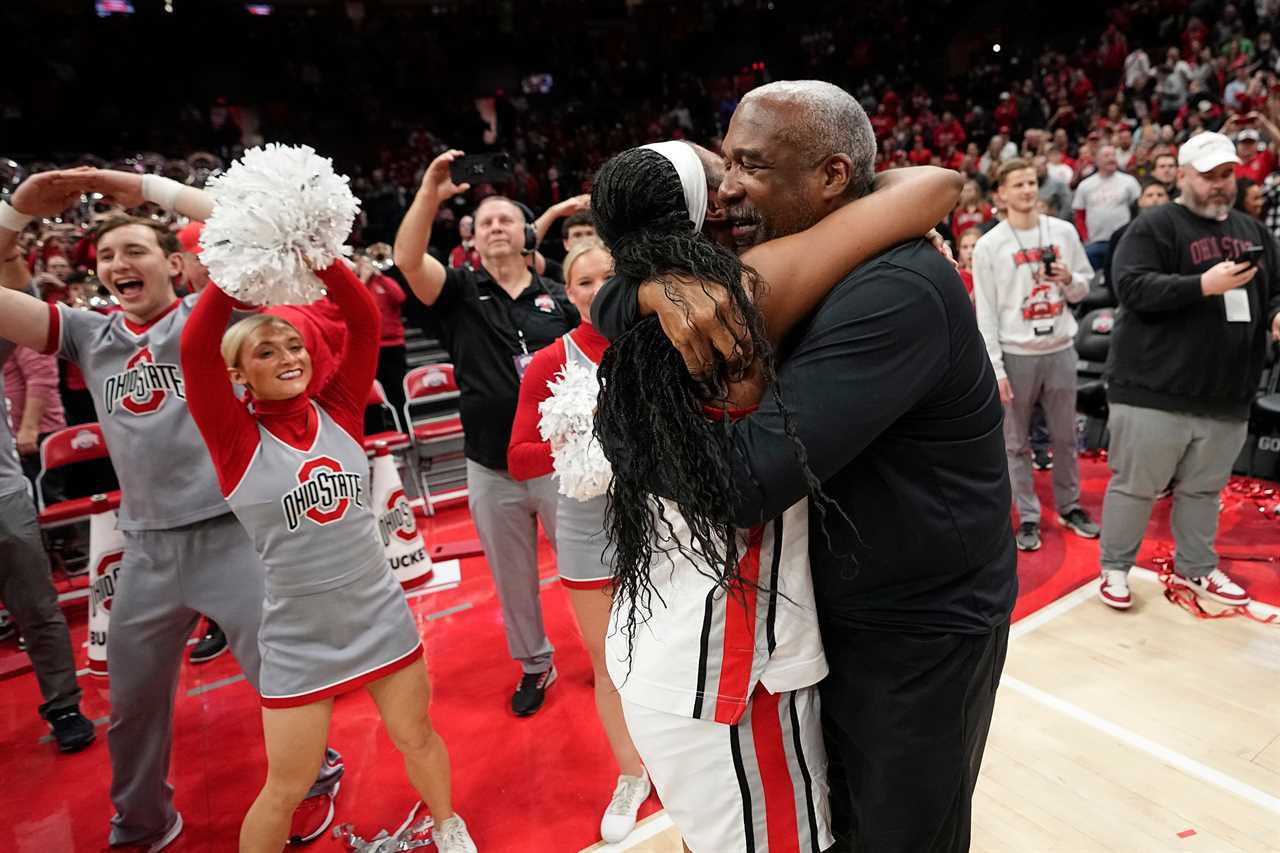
point(568, 417)
point(279, 213)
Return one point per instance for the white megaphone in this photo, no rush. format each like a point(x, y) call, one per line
point(106, 552)
point(406, 552)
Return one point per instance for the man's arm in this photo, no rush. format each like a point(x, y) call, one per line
point(40, 373)
point(1142, 285)
point(424, 273)
point(1077, 264)
point(986, 304)
point(568, 207)
point(871, 354)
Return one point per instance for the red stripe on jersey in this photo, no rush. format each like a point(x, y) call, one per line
point(53, 338)
point(602, 583)
point(775, 773)
point(739, 636)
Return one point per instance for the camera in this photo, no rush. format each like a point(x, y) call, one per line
point(1048, 256)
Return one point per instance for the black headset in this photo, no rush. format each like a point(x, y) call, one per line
point(530, 235)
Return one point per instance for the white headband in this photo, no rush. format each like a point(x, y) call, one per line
point(693, 177)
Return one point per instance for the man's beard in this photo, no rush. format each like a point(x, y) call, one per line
point(1216, 205)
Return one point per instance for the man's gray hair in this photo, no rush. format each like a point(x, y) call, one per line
point(831, 122)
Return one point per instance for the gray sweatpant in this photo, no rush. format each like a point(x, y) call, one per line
point(27, 590)
point(167, 579)
point(506, 512)
point(1150, 447)
point(1051, 379)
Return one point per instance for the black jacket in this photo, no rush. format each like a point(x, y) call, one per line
point(896, 403)
point(1172, 347)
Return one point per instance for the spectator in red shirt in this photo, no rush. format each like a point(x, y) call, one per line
point(949, 132)
point(1006, 113)
point(465, 255)
point(919, 154)
point(882, 123)
point(389, 296)
point(971, 210)
point(1255, 162)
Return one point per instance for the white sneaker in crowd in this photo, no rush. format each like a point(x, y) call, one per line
point(1114, 589)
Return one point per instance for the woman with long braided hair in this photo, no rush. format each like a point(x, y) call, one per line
point(714, 644)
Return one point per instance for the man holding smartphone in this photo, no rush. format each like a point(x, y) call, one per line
point(491, 320)
point(1199, 291)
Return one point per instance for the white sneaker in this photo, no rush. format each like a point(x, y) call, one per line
point(1218, 586)
point(452, 837)
point(1114, 589)
point(620, 818)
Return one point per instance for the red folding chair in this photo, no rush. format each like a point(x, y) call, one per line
point(431, 418)
point(75, 445)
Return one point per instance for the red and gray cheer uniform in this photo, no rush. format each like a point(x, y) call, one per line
point(581, 543)
point(295, 474)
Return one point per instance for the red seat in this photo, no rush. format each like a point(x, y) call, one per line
point(70, 446)
point(76, 509)
point(431, 415)
point(437, 429)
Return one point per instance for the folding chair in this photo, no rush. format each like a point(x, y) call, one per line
point(432, 421)
point(81, 446)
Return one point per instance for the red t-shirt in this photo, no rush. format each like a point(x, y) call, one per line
point(962, 220)
point(1257, 167)
point(389, 296)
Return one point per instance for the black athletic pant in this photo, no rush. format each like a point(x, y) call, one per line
point(392, 366)
point(906, 718)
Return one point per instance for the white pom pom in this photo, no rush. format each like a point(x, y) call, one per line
point(568, 417)
point(279, 212)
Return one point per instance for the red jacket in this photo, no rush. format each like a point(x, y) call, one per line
point(390, 297)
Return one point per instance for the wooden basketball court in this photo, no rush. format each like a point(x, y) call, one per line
point(1137, 732)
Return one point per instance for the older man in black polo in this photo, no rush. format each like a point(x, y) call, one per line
point(492, 320)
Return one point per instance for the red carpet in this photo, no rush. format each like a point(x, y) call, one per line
point(536, 784)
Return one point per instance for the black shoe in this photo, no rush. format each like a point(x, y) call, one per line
point(213, 644)
point(7, 629)
point(1079, 523)
point(71, 729)
point(1041, 459)
point(532, 691)
point(1027, 536)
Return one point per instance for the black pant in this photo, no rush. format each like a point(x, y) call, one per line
point(906, 718)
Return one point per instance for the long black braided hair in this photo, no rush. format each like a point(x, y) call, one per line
point(651, 418)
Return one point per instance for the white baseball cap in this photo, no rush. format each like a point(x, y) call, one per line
point(1205, 152)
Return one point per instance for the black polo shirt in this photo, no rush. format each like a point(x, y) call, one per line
point(484, 330)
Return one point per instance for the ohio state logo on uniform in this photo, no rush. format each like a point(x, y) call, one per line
point(397, 519)
point(143, 386)
point(324, 493)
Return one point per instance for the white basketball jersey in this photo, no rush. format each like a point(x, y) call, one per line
point(702, 651)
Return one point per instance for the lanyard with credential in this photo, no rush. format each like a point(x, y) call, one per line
point(522, 360)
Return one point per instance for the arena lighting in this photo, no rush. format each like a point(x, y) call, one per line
point(995, 48)
point(259, 8)
point(113, 7)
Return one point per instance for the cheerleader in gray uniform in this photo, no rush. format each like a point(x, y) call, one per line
point(293, 470)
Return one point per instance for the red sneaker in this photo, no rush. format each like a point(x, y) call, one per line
point(1216, 586)
point(313, 816)
point(1114, 589)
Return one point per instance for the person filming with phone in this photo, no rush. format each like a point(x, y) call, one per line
point(1199, 291)
point(492, 320)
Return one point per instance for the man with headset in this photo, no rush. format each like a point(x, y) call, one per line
point(491, 320)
